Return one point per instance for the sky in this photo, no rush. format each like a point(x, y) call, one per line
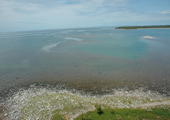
point(23, 15)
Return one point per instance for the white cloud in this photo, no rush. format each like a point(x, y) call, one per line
point(165, 12)
point(15, 11)
point(49, 14)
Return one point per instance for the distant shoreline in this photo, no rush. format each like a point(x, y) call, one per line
point(145, 27)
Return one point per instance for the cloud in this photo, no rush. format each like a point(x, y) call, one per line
point(71, 5)
point(68, 11)
point(165, 12)
point(51, 14)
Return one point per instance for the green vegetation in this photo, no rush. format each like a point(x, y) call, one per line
point(54, 106)
point(156, 113)
point(57, 116)
point(63, 104)
point(68, 104)
point(99, 109)
point(143, 27)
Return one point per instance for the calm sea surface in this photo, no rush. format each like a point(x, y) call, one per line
point(87, 58)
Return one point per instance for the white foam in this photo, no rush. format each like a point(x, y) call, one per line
point(70, 38)
point(48, 47)
point(87, 33)
point(66, 31)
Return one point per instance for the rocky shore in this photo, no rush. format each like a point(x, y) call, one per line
point(39, 102)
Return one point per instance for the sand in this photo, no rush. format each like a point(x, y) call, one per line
point(148, 37)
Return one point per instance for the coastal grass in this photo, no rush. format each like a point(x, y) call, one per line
point(55, 106)
point(156, 113)
point(64, 104)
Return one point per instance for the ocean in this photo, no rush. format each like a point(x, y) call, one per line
point(88, 59)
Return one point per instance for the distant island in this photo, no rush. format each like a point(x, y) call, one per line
point(143, 27)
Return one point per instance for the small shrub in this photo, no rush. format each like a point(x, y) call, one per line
point(112, 111)
point(99, 110)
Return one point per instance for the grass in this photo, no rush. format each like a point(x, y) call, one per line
point(157, 113)
point(57, 116)
point(55, 105)
point(44, 106)
point(63, 104)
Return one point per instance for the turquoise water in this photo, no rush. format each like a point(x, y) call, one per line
point(128, 48)
point(86, 57)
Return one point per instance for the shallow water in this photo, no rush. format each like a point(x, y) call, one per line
point(91, 59)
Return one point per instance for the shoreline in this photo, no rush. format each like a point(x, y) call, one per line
point(145, 27)
point(139, 28)
point(153, 28)
point(142, 106)
point(17, 106)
